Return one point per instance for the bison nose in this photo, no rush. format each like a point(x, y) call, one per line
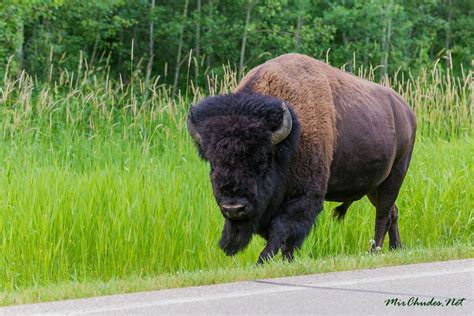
point(235, 211)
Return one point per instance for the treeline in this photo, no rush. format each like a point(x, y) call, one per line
point(189, 39)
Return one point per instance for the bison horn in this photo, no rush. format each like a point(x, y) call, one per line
point(191, 128)
point(285, 128)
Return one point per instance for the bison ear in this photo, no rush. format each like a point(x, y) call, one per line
point(285, 128)
point(191, 127)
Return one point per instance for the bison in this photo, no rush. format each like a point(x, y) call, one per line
point(294, 133)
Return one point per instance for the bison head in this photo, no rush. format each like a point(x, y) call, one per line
point(248, 141)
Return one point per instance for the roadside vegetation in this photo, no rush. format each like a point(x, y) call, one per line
point(101, 189)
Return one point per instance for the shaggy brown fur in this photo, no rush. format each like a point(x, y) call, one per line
point(350, 138)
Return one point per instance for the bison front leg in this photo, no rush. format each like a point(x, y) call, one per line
point(287, 250)
point(289, 228)
point(270, 250)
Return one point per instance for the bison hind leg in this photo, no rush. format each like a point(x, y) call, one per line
point(340, 212)
point(383, 198)
point(393, 232)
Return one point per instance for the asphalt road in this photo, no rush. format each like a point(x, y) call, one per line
point(361, 292)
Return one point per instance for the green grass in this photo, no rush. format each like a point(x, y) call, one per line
point(301, 266)
point(99, 184)
point(148, 214)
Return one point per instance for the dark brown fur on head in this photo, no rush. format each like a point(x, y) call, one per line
point(235, 137)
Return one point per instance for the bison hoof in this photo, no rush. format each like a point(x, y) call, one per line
point(372, 243)
point(263, 259)
point(373, 248)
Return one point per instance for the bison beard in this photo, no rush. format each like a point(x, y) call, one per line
point(297, 132)
point(236, 236)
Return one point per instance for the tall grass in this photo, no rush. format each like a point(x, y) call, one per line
point(88, 101)
point(99, 180)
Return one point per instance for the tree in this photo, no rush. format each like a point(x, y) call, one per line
point(406, 34)
point(151, 43)
point(180, 46)
point(250, 5)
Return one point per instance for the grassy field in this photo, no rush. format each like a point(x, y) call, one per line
point(99, 182)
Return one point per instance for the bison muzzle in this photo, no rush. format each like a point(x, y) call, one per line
point(297, 132)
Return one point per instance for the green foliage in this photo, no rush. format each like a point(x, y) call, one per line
point(401, 35)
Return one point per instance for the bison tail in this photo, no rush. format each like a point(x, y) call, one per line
point(340, 211)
